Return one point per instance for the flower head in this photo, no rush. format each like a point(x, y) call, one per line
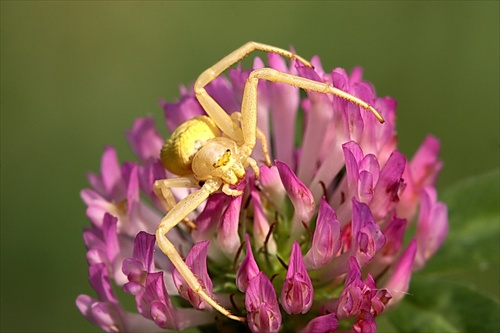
point(291, 251)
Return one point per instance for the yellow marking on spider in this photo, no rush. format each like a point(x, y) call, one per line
point(224, 160)
point(214, 151)
point(178, 151)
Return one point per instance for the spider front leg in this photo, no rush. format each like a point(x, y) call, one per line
point(162, 190)
point(214, 110)
point(179, 212)
point(249, 103)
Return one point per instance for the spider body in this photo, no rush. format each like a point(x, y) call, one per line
point(220, 158)
point(179, 150)
point(213, 152)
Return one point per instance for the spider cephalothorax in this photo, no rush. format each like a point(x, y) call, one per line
point(212, 152)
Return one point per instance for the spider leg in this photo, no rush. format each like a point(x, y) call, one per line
point(173, 217)
point(249, 103)
point(214, 110)
point(265, 149)
point(162, 190)
point(236, 116)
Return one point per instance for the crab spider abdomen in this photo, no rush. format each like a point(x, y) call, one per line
point(178, 151)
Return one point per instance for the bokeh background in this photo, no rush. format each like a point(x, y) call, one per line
point(74, 76)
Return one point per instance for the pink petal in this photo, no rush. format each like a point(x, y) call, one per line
point(399, 281)
point(145, 140)
point(227, 233)
point(262, 307)
point(261, 226)
point(111, 173)
point(297, 292)
point(181, 111)
point(196, 260)
point(322, 324)
point(432, 227)
point(271, 184)
point(284, 107)
point(326, 239)
point(389, 186)
point(248, 268)
point(300, 195)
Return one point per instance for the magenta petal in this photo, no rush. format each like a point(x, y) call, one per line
point(227, 233)
point(356, 75)
point(106, 316)
point(367, 238)
point(145, 140)
point(159, 314)
point(284, 106)
point(89, 196)
point(181, 111)
point(350, 302)
point(238, 79)
point(399, 281)
point(144, 250)
point(351, 299)
point(92, 238)
point(154, 302)
point(297, 292)
point(389, 186)
point(394, 233)
point(340, 80)
point(271, 183)
point(100, 314)
point(97, 256)
point(110, 236)
point(261, 226)
point(365, 186)
point(248, 268)
point(196, 260)
point(326, 239)
point(370, 164)
point(352, 155)
point(207, 221)
point(322, 324)
point(147, 176)
point(425, 164)
point(301, 197)
point(99, 280)
point(221, 91)
point(111, 173)
point(143, 258)
point(319, 117)
point(97, 206)
point(365, 323)
point(432, 227)
point(354, 273)
point(131, 175)
point(136, 275)
point(379, 301)
point(84, 304)
point(261, 303)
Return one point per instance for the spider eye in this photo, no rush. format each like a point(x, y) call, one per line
point(224, 160)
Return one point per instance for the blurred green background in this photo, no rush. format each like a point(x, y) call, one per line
point(74, 76)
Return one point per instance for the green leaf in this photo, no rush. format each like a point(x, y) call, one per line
point(458, 290)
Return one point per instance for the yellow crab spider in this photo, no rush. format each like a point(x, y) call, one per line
point(212, 152)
